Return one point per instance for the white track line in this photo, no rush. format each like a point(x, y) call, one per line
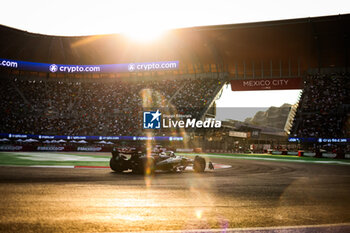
point(38, 166)
point(49, 166)
point(284, 229)
point(271, 159)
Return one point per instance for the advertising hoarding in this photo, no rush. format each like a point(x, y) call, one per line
point(266, 84)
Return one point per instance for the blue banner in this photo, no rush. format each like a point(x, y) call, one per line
point(54, 137)
point(110, 68)
point(320, 140)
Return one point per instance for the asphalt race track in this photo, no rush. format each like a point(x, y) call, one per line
point(251, 194)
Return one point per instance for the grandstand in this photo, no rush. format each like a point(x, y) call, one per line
point(324, 107)
point(39, 102)
point(96, 107)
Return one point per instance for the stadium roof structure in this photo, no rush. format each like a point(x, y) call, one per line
point(296, 44)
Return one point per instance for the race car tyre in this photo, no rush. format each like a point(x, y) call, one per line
point(199, 164)
point(115, 166)
point(146, 166)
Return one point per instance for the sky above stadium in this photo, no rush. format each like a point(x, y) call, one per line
point(85, 17)
point(145, 20)
point(239, 105)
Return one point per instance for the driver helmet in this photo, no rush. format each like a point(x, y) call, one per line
point(171, 154)
point(162, 154)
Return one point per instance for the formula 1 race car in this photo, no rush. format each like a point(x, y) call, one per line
point(140, 163)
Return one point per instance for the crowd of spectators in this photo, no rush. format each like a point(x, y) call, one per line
point(324, 107)
point(195, 103)
point(95, 107)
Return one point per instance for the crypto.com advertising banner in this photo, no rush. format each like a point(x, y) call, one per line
point(110, 68)
point(266, 84)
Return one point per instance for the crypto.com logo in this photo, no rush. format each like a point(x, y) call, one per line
point(53, 68)
point(151, 120)
point(131, 67)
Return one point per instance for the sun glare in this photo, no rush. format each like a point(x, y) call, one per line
point(144, 35)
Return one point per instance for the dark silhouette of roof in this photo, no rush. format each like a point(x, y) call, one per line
point(307, 42)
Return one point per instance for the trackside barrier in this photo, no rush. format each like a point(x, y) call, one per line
point(300, 153)
point(198, 150)
point(184, 150)
point(55, 148)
